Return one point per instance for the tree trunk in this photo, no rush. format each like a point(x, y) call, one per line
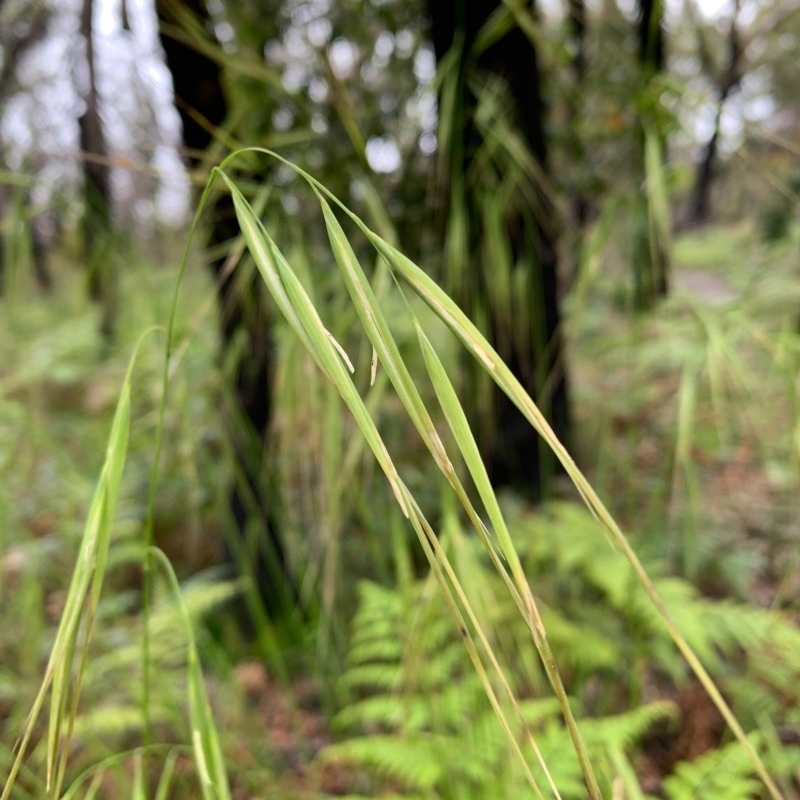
point(201, 103)
point(651, 35)
point(651, 258)
point(513, 452)
point(97, 185)
point(700, 211)
point(701, 196)
point(15, 41)
point(579, 203)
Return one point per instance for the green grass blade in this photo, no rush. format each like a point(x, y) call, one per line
point(459, 605)
point(449, 312)
point(206, 747)
point(80, 605)
point(303, 317)
point(457, 420)
point(382, 340)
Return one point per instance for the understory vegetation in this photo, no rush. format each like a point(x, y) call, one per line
point(452, 452)
point(506, 650)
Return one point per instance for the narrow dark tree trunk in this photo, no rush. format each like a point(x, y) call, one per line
point(97, 184)
point(41, 269)
point(651, 35)
point(650, 256)
point(125, 17)
point(513, 452)
point(577, 33)
point(578, 202)
point(201, 103)
point(700, 211)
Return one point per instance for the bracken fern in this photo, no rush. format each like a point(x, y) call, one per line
point(725, 772)
point(419, 717)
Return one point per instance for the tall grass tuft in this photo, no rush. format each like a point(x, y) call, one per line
point(304, 318)
point(73, 665)
point(65, 668)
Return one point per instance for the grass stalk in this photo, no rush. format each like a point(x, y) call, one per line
point(444, 307)
point(64, 671)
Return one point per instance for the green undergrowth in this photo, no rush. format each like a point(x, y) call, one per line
point(60, 386)
point(415, 716)
point(512, 651)
point(688, 415)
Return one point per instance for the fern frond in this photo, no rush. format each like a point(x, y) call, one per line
point(586, 649)
point(605, 737)
point(412, 761)
point(368, 675)
point(539, 710)
point(726, 772)
point(378, 648)
point(622, 731)
point(382, 712)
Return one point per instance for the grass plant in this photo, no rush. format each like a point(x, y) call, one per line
point(303, 317)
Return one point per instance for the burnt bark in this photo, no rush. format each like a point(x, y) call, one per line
point(513, 452)
point(652, 51)
point(201, 102)
point(41, 269)
point(97, 183)
point(700, 210)
point(579, 202)
point(651, 259)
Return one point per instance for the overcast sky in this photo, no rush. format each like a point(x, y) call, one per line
point(136, 96)
point(135, 90)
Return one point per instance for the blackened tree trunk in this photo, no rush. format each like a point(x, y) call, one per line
point(578, 201)
point(525, 330)
point(97, 184)
point(201, 102)
point(700, 211)
point(650, 251)
point(651, 36)
point(577, 34)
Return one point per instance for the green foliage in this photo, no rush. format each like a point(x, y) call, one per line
point(418, 715)
point(775, 220)
point(92, 687)
point(415, 707)
point(779, 211)
point(725, 772)
point(560, 549)
point(649, 608)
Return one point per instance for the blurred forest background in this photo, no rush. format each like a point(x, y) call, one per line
point(609, 190)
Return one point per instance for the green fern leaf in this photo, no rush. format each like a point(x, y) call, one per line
point(413, 762)
point(723, 773)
